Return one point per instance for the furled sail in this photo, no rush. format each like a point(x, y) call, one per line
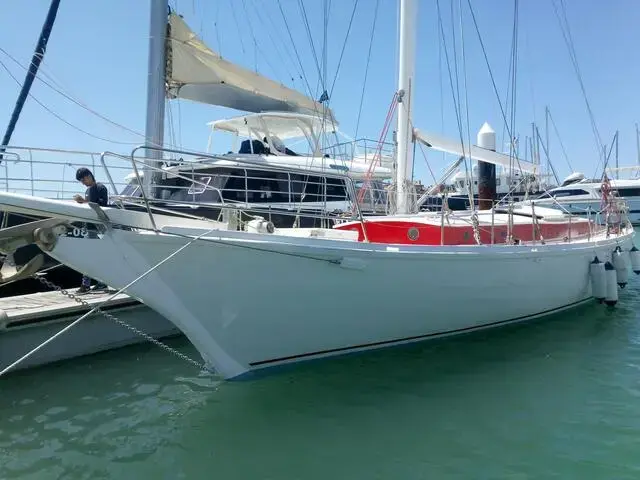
point(442, 144)
point(197, 73)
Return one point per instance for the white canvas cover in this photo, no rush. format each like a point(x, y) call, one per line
point(442, 144)
point(197, 73)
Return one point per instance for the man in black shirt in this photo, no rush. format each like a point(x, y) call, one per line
point(96, 193)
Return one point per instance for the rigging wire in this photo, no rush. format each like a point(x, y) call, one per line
point(256, 46)
point(464, 79)
point(284, 45)
point(179, 108)
point(514, 81)
point(441, 93)
point(295, 49)
point(568, 39)
point(215, 27)
point(325, 38)
point(303, 12)
point(253, 36)
point(564, 152)
point(344, 45)
point(366, 70)
point(279, 53)
point(235, 19)
point(486, 59)
point(75, 127)
point(65, 95)
point(455, 102)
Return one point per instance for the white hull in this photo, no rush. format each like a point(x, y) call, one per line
point(249, 301)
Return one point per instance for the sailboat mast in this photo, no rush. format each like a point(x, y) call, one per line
point(38, 55)
point(154, 130)
point(406, 84)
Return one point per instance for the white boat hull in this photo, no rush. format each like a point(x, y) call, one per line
point(249, 301)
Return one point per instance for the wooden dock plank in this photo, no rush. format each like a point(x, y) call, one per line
point(25, 308)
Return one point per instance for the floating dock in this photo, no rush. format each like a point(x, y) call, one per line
point(28, 320)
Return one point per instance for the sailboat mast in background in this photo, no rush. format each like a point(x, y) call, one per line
point(38, 55)
point(154, 130)
point(406, 83)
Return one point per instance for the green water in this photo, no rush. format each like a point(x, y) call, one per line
point(558, 398)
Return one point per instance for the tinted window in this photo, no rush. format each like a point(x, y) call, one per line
point(174, 189)
point(570, 193)
point(263, 186)
point(629, 192)
point(335, 190)
point(235, 187)
point(306, 188)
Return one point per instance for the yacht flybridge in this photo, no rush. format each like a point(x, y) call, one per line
point(262, 175)
point(364, 283)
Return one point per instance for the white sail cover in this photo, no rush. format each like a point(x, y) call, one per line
point(442, 144)
point(197, 73)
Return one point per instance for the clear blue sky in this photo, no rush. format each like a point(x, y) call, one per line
point(98, 53)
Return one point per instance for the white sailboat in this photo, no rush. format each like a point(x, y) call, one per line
point(258, 297)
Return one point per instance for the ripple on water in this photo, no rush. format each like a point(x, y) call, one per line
point(552, 399)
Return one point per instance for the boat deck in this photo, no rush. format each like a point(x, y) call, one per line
point(28, 320)
point(37, 307)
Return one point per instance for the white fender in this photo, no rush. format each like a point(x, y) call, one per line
point(598, 280)
point(620, 264)
point(634, 256)
point(612, 285)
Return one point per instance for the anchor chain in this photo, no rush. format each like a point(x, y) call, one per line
point(115, 319)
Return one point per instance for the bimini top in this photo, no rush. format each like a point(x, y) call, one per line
point(285, 125)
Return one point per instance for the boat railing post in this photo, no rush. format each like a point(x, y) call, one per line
point(534, 222)
point(5, 164)
point(144, 194)
point(570, 227)
point(444, 203)
point(107, 173)
point(509, 222)
point(354, 196)
point(31, 171)
point(493, 223)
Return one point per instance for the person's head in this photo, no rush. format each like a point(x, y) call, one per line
point(85, 176)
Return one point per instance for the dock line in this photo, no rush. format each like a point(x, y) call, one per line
point(97, 307)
